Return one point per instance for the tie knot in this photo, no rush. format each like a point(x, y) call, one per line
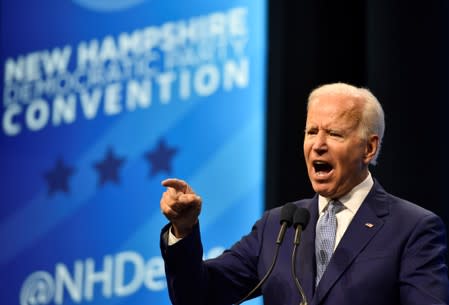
point(335, 206)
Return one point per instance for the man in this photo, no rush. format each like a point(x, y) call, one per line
point(362, 246)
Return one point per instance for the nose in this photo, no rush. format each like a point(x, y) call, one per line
point(320, 144)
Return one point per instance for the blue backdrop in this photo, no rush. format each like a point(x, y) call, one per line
point(101, 100)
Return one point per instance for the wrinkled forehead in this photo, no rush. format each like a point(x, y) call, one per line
point(335, 108)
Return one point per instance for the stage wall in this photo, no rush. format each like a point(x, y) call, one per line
point(101, 101)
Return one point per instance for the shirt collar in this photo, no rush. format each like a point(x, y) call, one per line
point(352, 200)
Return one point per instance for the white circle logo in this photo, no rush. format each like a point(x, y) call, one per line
point(38, 289)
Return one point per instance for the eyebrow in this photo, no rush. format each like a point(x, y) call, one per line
point(327, 130)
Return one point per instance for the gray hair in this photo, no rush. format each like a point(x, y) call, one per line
point(373, 118)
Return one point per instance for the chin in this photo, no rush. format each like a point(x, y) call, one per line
point(323, 190)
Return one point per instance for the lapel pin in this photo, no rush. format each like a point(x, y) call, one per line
point(369, 225)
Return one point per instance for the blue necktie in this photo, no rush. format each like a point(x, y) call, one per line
point(325, 237)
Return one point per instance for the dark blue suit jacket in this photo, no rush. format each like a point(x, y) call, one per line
point(397, 260)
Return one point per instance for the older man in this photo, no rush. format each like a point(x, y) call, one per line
point(363, 245)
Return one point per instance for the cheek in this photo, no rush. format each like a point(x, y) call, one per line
point(305, 148)
point(353, 161)
point(346, 160)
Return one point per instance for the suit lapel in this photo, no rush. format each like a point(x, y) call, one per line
point(364, 226)
point(306, 257)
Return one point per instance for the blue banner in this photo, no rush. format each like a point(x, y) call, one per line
point(101, 101)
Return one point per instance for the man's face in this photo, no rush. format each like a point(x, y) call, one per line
point(336, 157)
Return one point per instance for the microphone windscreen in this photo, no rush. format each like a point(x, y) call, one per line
point(287, 212)
point(301, 217)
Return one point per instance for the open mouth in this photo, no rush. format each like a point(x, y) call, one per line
point(322, 167)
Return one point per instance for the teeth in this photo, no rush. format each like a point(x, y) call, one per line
point(321, 173)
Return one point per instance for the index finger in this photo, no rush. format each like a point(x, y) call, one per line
point(178, 184)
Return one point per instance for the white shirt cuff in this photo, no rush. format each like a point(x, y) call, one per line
point(172, 239)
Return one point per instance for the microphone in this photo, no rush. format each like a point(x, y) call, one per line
point(300, 221)
point(286, 221)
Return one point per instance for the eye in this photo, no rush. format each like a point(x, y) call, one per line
point(335, 134)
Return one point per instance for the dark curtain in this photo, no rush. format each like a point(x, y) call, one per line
point(399, 50)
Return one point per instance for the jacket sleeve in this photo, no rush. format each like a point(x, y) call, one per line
point(222, 280)
point(423, 274)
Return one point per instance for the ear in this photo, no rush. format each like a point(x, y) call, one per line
point(372, 145)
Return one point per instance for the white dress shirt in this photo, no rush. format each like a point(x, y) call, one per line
point(352, 202)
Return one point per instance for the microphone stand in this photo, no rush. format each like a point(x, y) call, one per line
point(287, 212)
point(264, 278)
point(298, 232)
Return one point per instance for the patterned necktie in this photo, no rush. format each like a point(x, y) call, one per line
point(325, 237)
